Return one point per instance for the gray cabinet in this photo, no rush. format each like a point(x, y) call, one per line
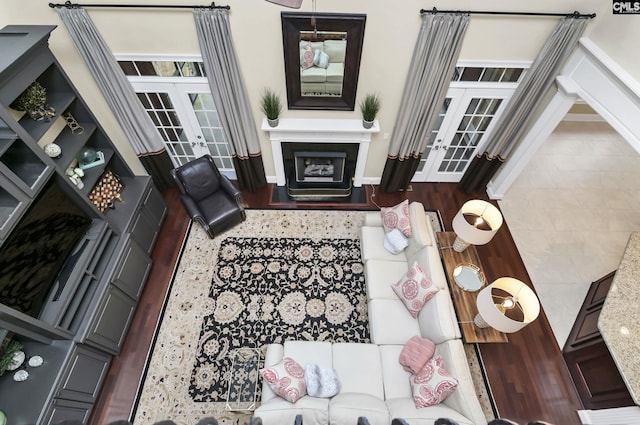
point(132, 270)
point(112, 320)
point(78, 320)
point(83, 375)
point(147, 222)
point(61, 409)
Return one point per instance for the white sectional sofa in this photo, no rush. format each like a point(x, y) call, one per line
point(373, 382)
point(324, 80)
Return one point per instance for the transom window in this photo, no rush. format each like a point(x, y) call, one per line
point(162, 68)
point(488, 74)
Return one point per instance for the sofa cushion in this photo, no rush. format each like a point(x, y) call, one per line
point(433, 383)
point(371, 246)
point(390, 322)
point(313, 75)
point(406, 409)
point(373, 218)
point(437, 319)
point(464, 398)
point(396, 217)
point(335, 73)
point(422, 231)
point(346, 408)
point(415, 289)
point(358, 368)
point(336, 50)
point(398, 394)
point(380, 275)
point(286, 379)
point(316, 352)
point(314, 411)
point(416, 353)
point(429, 258)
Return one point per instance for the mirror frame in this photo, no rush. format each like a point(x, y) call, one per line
point(353, 25)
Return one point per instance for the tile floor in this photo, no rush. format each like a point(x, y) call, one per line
point(571, 212)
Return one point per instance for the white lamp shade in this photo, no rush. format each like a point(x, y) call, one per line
point(468, 232)
point(525, 298)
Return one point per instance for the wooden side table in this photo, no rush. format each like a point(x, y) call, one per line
point(465, 301)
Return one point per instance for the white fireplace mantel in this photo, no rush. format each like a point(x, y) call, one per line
point(317, 130)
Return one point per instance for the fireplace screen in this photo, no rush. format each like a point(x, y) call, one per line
point(319, 166)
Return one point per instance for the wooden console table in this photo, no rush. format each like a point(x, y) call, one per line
point(464, 301)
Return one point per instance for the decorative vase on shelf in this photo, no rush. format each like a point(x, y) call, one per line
point(53, 150)
point(17, 360)
point(20, 375)
point(367, 124)
point(273, 123)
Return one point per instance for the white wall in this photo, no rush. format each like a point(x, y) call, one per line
point(390, 35)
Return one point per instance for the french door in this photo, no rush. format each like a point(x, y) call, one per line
point(465, 120)
point(186, 117)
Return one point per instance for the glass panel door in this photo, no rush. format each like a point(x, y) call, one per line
point(467, 117)
point(187, 120)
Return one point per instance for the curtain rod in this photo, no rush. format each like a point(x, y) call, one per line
point(575, 14)
point(70, 5)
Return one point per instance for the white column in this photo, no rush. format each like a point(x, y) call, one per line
point(541, 130)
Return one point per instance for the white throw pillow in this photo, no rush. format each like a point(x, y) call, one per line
point(395, 242)
point(320, 59)
point(321, 382)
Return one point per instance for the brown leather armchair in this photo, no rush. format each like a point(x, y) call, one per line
point(209, 197)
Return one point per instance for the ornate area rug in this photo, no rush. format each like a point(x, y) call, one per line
point(270, 290)
point(188, 370)
point(291, 284)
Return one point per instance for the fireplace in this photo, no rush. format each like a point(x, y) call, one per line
point(319, 135)
point(327, 167)
point(319, 170)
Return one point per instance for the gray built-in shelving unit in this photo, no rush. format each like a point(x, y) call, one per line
point(80, 328)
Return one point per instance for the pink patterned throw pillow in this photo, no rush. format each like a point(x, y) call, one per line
point(415, 289)
point(286, 379)
point(397, 217)
point(432, 384)
point(416, 353)
point(306, 56)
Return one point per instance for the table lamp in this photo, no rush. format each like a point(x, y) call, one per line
point(506, 305)
point(485, 222)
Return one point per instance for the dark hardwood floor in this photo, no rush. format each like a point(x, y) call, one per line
point(527, 375)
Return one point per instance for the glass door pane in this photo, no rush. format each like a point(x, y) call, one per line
point(469, 116)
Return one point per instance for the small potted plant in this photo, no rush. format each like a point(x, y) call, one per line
point(369, 106)
point(271, 106)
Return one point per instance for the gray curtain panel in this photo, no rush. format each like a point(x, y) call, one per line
point(117, 91)
point(230, 95)
point(432, 66)
point(513, 122)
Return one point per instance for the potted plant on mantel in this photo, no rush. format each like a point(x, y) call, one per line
point(369, 106)
point(271, 106)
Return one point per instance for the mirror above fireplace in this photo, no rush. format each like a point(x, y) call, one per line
point(328, 78)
